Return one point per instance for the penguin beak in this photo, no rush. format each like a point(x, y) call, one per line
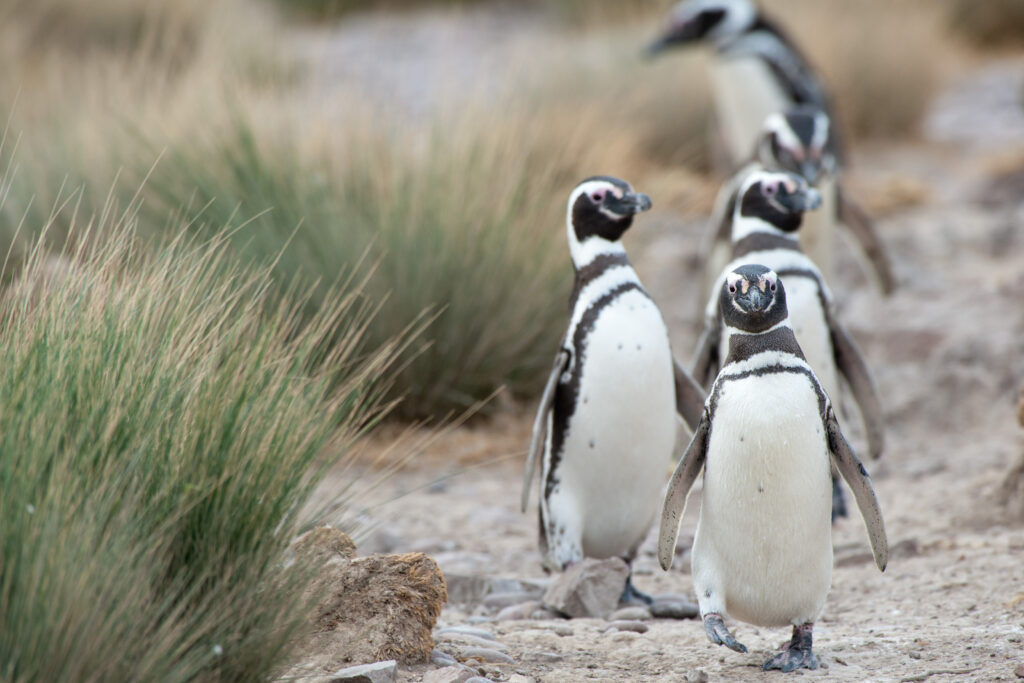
point(804, 199)
point(754, 300)
point(631, 203)
point(811, 172)
point(677, 34)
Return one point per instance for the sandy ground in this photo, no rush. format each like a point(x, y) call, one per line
point(947, 350)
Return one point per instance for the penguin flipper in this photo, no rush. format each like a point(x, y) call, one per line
point(705, 359)
point(860, 483)
point(860, 225)
point(689, 397)
point(851, 365)
point(686, 473)
point(540, 423)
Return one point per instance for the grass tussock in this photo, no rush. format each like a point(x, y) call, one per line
point(162, 424)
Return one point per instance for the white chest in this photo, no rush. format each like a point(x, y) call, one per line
point(746, 93)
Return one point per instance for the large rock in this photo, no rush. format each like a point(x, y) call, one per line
point(372, 608)
point(590, 588)
point(378, 672)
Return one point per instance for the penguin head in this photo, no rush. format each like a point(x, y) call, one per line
point(752, 299)
point(716, 20)
point(601, 208)
point(774, 200)
point(799, 141)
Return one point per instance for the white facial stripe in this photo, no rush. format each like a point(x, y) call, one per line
point(583, 253)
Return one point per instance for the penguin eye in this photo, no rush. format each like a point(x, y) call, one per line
point(732, 289)
point(772, 287)
point(770, 189)
point(597, 197)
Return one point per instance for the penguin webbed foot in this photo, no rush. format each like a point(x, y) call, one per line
point(632, 596)
point(718, 634)
point(838, 500)
point(797, 654)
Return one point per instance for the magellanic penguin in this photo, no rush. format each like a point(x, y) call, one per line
point(758, 71)
point(766, 229)
point(607, 422)
point(800, 141)
point(762, 552)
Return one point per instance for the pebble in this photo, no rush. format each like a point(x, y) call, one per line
point(449, 674)
point(478, 679)
point(485, 654)
point(478, 619)
point(439, 658)
point(1019, 671)
point(378, 672)
point(473, 641)
point(674, 608)
point(520, 678)
point(545, 657)
point(631, 614)
point(467, 631)
point(502, 600)
point(545, 613)
point(523, 610)
point(627, 625)
point(697, 676)
point(562, 630)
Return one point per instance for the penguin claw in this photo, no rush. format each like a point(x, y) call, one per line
point(718, 634)
point(796, 654)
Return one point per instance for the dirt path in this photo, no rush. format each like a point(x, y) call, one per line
point(948, 353)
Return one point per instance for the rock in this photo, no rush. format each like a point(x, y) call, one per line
point(484, 654)
point(520, 678)
point(503, 600)
point(467, 630)
point(439, 658)
point(464, 562)
point(374, 608)
point(478, 679)
point(523, 610)
point(590, 588)
point(1018, 671)
point(465, 639)
point(466, 589)
point(562, 630)
point(671, 606)
point(380, 672)
point(449, 674)
point(631, 614)
point(697, 676)
point(544, 613)
point(545, 657)
point(627, 625)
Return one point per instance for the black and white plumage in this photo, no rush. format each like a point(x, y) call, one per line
point(758, 70)
point(800, 140)
point(762, 552)
point(766, 229)
point(607, 422)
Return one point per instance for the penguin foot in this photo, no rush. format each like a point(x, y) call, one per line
point(719, 634)
point(796, 654)
point(631, 596)
point(838, 500)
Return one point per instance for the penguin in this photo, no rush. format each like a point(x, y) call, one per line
point(607, 420)
point(758, 70)
point(800, 141)
point(762, 552)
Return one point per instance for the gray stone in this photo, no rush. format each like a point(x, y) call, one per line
point(467, 630)
point(590, 588)
point(378, 672)
point(478, 679)
point(466, 589)
point(520, 678)
point(627, 625)
point(631, 614)
point(485, 654)
point(545, 657)
point(449, 674)
point(673, 606)
point(697, 676)
point(466, 639)
point(545, 614)
point(515, 612)
point(562, 630)
point(503, 600)
point(472, 588)
point(438, 658)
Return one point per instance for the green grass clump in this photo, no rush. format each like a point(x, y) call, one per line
point(162, 422)
point(463, 222)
